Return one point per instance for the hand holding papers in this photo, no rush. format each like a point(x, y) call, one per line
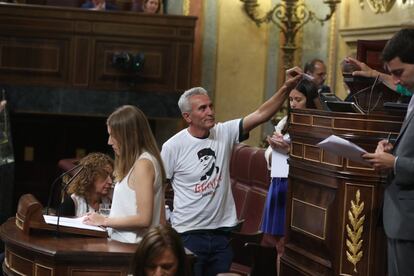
point(280, 167)
point(342, 147)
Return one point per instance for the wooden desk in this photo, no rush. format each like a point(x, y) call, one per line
point(41, 253)
point(325, 234)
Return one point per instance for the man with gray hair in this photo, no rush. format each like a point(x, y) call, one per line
point(204, 210)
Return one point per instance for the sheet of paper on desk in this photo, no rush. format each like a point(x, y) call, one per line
point(71, 222)
point(343, 147)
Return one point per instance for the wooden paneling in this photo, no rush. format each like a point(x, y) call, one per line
point(49, 46)
point(81, 61)
point(369, 51)
point(333, 204)
point(38, 60)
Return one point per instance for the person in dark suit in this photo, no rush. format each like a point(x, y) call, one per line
point(398, 158)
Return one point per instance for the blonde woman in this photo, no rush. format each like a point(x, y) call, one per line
point(138, 201)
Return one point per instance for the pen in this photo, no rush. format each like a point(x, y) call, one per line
point(388, 137)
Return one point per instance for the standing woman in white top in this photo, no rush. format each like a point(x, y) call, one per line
point(138, 201)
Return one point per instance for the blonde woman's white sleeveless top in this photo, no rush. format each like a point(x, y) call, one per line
point(124, 204)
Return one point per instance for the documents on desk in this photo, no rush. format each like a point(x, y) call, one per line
point(343, 147)
point(71, 222)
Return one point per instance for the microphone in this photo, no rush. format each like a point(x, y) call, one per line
point(64, 191)
point(53, 186)
point(371, 90)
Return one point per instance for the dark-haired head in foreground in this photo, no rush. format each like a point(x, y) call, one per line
point(160, 252)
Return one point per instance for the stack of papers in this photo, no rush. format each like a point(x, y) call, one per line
point(280, 166)
point(71, 222)
point(343, 147)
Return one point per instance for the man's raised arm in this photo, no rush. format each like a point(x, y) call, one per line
point(272, 105)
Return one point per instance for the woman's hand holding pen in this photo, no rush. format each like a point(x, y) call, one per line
point(278, 143)
point(93, 218)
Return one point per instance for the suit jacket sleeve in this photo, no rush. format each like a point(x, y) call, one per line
point(404, 171)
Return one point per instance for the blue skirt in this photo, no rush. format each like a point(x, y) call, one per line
point(275, 209)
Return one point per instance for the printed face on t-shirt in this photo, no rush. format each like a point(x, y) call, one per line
point(205, 161)
point(207, 158)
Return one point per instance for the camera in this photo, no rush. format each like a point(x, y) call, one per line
point(128, 61)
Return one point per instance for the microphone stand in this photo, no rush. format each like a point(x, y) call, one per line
point(64, 192)
point(53, 186)
point(371, 88)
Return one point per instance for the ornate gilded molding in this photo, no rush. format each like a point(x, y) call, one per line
point(289, 16)
point(379, 6)
point(186, 7)
point(354, 230)
point(332, 50)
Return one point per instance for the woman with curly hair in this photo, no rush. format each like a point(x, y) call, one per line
point(91, 187)
point(138, 201)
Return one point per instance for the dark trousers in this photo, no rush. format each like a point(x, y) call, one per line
point(400, 257)
point(212, 249)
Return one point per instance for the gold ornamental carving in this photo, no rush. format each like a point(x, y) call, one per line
point(186, 7)
point(354, 230)
point(379, 6)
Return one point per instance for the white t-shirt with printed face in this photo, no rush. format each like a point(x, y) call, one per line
point(199, 173)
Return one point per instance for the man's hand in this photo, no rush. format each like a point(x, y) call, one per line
point(382, 159)
point(384, 146)
point(364, 70)
point(293, 76)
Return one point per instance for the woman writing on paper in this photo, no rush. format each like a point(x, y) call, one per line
point(274, 214)
point(138, 200)
point(90, 188)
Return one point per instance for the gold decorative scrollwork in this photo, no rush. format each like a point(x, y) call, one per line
point(289, 16)
point(354, 230)
point(379, 6)
point(186, 7)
